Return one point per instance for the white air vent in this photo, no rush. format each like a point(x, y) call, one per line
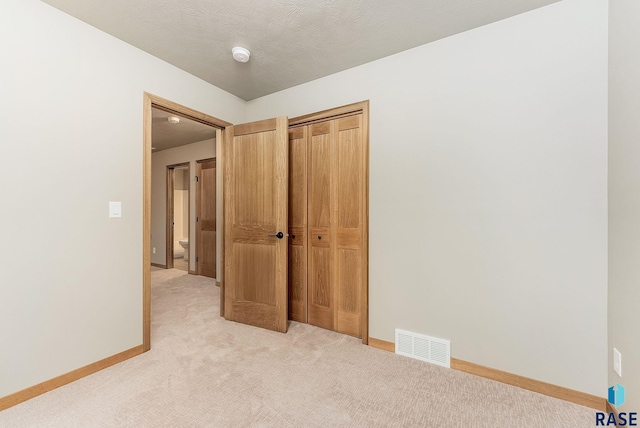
point(425, 348)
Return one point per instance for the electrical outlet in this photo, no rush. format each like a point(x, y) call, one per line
point(154, 250)
point(617, 362)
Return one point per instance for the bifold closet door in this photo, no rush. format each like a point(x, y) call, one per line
point(321, 203)
point(336, 216)
point(298, 224)
point(327, 224)
point(349, 224)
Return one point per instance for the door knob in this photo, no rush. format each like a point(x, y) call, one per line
point(278, 235)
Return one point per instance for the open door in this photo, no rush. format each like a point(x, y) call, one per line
point(255, 223)
point(206, 218)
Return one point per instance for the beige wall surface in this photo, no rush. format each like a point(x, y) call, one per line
point(71, 280)
point(159, 161)
point(624, 197)
point(488, 191)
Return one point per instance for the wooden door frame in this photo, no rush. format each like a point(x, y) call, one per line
point(152, 101)
point(170, 235)
point(199, 163)
point(361, 107)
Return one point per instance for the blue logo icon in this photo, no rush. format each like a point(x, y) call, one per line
point(616, 395)
point(622, 419)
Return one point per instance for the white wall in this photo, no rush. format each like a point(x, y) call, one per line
point(624, 196)
point(488, 192)
point(159, 161)
point(72, 97)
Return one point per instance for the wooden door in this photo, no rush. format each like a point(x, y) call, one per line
point(206, 218)
point(337, 207)
point(298, 224)
point(320, 206)
point(349, 224)
point(255, 223)
point(169, 216)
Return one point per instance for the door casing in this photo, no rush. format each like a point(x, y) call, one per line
point(153, 101)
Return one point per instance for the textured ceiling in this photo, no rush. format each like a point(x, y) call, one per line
point(291, 41)
point(165, 135)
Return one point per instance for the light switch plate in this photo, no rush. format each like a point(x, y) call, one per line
point(115, 209)
point(617, 362)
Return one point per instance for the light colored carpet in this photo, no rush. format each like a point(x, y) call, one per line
point(204, 371)
point(181, 264)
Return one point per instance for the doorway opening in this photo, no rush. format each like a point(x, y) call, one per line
point(178, 216)
point(153, 103)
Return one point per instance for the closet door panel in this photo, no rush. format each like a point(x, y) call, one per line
point(297, 283)
point(298, 176)
point(320, 262)
point(349, 176)
point(297, 279)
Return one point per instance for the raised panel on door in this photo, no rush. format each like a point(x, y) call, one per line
point(256, 195)
point(320, 155)
point(320, 287)
point(348, 291)
point(320, 261)
point(349, 176)
point(298, 224)
point(206, 226)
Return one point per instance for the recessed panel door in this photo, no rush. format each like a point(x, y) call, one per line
point(256, 204)
point(206, 218)
point(321, 203)
point(349, 257)
point(298, 224)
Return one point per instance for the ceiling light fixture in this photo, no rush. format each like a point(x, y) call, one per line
point(240, 54)
point(173, 119)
